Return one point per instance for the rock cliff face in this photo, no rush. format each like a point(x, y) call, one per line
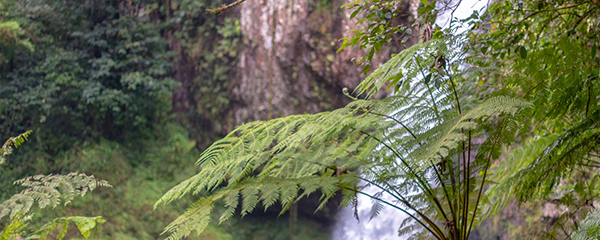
point(264, 59)
point(289, 64)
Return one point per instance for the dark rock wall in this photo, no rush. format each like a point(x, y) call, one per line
point(289, 64)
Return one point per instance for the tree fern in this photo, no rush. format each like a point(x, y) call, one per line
point(435, 141)
point(415, 147)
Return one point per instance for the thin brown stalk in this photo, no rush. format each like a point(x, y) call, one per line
point(224, 7)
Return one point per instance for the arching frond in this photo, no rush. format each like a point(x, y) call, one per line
point(12, 142)
point(86, 226)
point(544, 162)
point(504, 172)
point(48, 190)
point(589, 228)
point(392, 70)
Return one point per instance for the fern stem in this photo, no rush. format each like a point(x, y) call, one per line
point(403, 200)
point(465, 191)
point(436, 111)
point(485, 171)
point(445, 193)
point(435, 233)
point(455, 192)
point(455, 94)
point(468, 180)
point(534, 87)
point(587, 105)
point(465, 199)
point(391, 118)
point(423, 184)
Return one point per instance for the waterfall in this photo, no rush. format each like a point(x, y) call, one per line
point(385, 225)
point(382, 227)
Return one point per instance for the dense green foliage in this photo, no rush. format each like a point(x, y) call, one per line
point(103, 69)
point(98, 69)
point(518, 89)
point(48, 190)
point(548, 54)
point(11, 37)
point(505, 113)
point(92, 79)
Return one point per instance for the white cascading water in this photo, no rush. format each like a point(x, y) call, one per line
point(382, 227)
point(385, 225)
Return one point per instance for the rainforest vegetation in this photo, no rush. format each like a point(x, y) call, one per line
point(476, 126)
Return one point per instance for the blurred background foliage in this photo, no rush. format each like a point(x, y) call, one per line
point(95, 81)
point(127, 91)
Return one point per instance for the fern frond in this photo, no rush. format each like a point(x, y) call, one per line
point(452, 132)
point(85, 225)
point(534, 170)
point(15, 228)
point(48, 190)
point(298, 158)
point(196, 218)
point(589, 228)
point(392, 69)
point(408, 66)
point(278, 147)
point(506, 170)
point(376, 208)
point(556, 160)
point(198, 215)
point(12, 142)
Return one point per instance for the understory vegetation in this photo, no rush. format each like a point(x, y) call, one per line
point(488, 127)
point(477, 119)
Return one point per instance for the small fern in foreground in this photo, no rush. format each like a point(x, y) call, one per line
point(49, 190)
point(46, 191)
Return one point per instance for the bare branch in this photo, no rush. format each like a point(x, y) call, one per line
point(224, 7)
